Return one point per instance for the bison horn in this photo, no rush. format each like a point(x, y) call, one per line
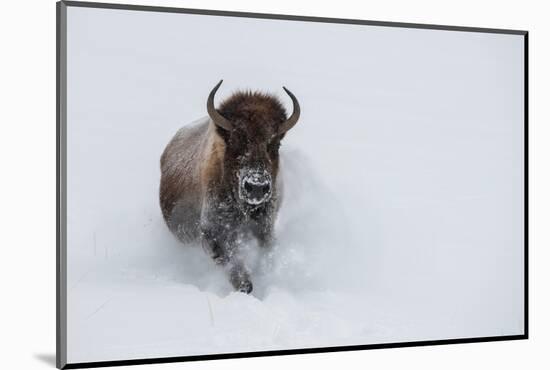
point(291, 121)
point(216, 117)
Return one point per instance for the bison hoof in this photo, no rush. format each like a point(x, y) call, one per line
point(240, 280)
point(245, 287)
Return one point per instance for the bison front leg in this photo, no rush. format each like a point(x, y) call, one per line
point(222, 247)
point(240, 277)
point(262, 226)
point(264, 235)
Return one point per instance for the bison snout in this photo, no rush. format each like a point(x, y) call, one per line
point(255, 187)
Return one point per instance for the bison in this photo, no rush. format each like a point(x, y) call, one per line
point(219, 179)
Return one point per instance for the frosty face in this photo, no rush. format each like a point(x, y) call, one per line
point(252, 161)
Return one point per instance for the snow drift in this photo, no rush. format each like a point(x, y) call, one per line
point(402, 218)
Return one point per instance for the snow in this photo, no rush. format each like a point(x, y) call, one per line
point(402, 216)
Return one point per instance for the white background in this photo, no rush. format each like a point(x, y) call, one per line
point(29, 137)
point(402, 213)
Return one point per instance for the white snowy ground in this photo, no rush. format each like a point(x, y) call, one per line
point(403, 214)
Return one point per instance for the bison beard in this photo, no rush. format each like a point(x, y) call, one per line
point(219, 178)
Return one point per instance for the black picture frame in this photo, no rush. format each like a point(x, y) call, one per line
point(61, 163)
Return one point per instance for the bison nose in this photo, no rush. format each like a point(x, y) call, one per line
point(256, 188)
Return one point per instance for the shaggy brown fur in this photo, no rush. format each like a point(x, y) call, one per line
point(202, 179)
point(248, 106)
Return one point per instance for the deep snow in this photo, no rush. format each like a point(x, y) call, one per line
point(403, 211)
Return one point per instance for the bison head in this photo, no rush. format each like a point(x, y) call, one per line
point(252, 125)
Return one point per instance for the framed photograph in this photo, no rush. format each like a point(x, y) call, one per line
point(236, 184)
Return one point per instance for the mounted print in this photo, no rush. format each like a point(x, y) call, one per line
point(236, 184)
